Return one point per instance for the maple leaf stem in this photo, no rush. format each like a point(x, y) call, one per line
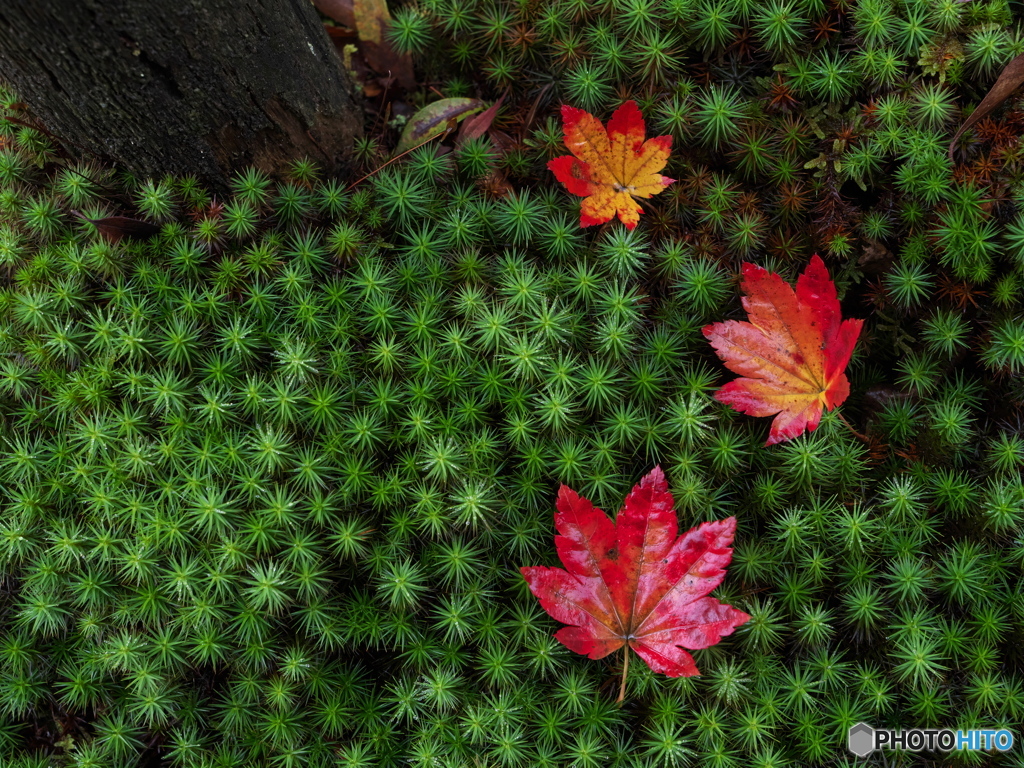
point(625, 668)
point(858, 435)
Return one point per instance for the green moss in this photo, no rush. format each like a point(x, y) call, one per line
point(268, 476)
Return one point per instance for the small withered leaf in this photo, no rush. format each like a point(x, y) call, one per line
point(114, 228)
point(1008, 81)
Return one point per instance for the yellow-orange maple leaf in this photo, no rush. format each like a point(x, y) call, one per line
point(611, 167)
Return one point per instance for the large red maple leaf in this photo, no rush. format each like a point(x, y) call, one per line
point(792, 354)
point(634, 582)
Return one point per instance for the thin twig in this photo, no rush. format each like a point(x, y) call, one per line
point(442, 136)
point(858, 435)
point(45, 131)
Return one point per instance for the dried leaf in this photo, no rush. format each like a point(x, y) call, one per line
point(611, 167)
point(340, 36)
point(501, 141)
point(875, 258)
point(532, 113)
point(495, 184)
point(341, 11)
point(1008, 81)
point(480, 124)
point(792, 354)
point(372, 18)
point(114, 228)
point(434, 118)
point(636, 583)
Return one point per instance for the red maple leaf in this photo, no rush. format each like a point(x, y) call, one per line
point(611, 167)
point(792, 354)
point(634, 583)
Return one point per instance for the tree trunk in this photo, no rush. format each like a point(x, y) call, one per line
point(200, 87)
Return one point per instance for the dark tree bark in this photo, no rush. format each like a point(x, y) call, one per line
point(182, 86)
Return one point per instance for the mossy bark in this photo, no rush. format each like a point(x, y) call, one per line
point(190, 86)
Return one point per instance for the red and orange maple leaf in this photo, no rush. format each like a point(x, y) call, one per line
point(792, 354)
point(634, 582)
point(611, 167)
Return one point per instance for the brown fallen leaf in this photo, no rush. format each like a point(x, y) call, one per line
point(340, 34)
point(876, 258)
point(478, 125)
point(501, 141)
point(372, 19)
point(114, 228)
point(528, 120)
point(1009, 79)
point(341, 11)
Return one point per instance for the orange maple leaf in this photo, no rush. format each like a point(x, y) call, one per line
point(610, 168)
point(792, 354)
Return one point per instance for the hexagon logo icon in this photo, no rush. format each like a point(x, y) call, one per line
point(861, 740)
